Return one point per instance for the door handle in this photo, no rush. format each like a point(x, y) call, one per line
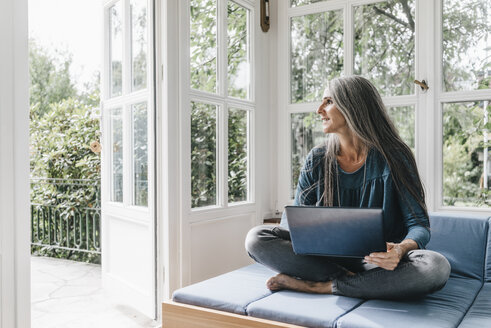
point(422, 84)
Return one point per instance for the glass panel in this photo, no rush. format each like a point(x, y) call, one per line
point(403, 118)
point(237, 155)
point(117, 154)
point(139, 35)
point(203, 45)
point(116, 49)
point(203, 154)
point(296, 3)
point(238, 51)
point(306, 133)
point(466, 44)
point(466, 160)
point(384, 45)
point(140, 154)
point(316, 54)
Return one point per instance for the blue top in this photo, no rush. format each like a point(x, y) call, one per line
point(403, 216)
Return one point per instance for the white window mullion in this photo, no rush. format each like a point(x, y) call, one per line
point(400, 100)
point(424, 111)
point(250, 52)
point(222, 47)
point(222, 64)
point(282, 161)
point(435, 148)
point(251, 168)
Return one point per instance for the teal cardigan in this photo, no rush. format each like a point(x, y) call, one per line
point(403, 216)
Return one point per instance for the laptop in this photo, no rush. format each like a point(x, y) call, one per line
point(336, 231)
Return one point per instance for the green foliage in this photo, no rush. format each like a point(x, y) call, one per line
point(237, 155)
point(238, 63)
point(140, 153)
point(203, 45)
point(465, 27)
point(316, 54)
point(50, 79)
point(60, 141)
point(462, 142)
point(203, 154)
point(64, 123)
point(384, 45)
point(306, 133)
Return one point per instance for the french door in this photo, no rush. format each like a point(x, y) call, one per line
point(128, 188)
point(396, 44)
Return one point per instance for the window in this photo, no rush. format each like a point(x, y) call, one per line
point(221, 102)
point(381, 39)
point(464, 102)
point(126, 101)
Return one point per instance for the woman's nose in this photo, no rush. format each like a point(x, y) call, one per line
point(321, 109)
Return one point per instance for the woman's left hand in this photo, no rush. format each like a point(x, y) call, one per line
point(386, 260)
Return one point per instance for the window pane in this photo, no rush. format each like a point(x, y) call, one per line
point(306, 133)
point(117, 154)
point(316, 54)
point(237, 155)
point(403, 118)
point(116, 49)
point(140, 154)
point(238, 51)
point(296, 3)
point(466, 154)
point(384, 45)
point(203, 154)
point(466, 44)
point(139, 44)
point(203, 45)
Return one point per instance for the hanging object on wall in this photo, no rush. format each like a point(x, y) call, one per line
point(265, 15)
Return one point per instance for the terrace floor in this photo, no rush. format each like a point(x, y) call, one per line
point(70, 294)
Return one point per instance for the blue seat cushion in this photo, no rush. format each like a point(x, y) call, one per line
point(479, 315)
point(444, 308)
point(462, 239)
point(230, 292)
point(309, 310)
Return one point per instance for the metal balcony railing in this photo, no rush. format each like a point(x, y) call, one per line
point(66, 214)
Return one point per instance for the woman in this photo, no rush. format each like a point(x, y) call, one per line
point(364, 163)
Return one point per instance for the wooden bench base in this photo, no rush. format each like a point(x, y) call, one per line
point(177, 315)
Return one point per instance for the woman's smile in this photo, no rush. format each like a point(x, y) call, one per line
point(332, 119)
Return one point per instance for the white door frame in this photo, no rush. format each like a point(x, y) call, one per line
point(15, 296)
point(167, 119)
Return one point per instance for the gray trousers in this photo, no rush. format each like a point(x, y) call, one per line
point(419, 272)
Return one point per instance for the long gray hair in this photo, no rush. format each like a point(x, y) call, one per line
point(362, 107)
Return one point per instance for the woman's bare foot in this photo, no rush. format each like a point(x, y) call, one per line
point(283, 281)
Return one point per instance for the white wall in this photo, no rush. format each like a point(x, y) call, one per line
point(14, 166)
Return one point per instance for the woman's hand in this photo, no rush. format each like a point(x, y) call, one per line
point(386, 260)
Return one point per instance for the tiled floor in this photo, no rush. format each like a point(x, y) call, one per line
point(67, 294)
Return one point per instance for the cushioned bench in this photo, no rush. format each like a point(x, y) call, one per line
point(241, 299)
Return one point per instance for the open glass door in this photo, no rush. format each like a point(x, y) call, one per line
point(128, 189)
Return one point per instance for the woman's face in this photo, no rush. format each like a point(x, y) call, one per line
point(332, 119)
